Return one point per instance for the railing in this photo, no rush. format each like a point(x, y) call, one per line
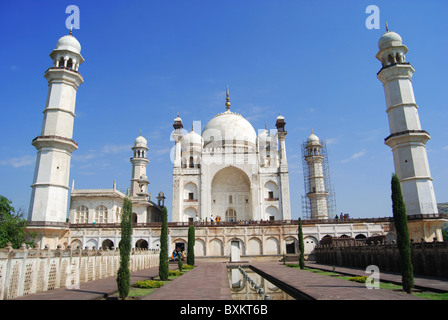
point(26, 271)
point(261, 222)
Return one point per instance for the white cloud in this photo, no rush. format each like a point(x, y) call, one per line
point(19, 161)
point(354, 156)
point(116, 148)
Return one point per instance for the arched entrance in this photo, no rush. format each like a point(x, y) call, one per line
point(141, 244)
point(231, 189)
point(107, 244)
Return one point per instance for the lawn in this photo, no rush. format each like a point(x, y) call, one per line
point(383, 285)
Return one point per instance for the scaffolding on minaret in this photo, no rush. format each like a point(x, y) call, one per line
point(331, 198)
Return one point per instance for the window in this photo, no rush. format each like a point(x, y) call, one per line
point(81, 214)
point(230, 200)
point(271, 194)
point(100, 214)
point(190, 196)
point(230, 214)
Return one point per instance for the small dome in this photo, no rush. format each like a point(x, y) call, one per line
point(312, 139)
point(192, 138)
point(280, 117)
point(69, 43)
point(178, 118)
point(140, 142)
point(389, 39)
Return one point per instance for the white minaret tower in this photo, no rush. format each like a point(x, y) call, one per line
point(177, 170)
point(317, 193)
point(407, 139)
point(283, 168)
point(139, 181)
point(49, 196)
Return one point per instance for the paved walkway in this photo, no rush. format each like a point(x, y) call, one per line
point(209, 281)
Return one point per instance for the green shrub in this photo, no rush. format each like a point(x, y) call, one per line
point(175, 273)
point(360, 279)
point(187, 267)
point(148, 284)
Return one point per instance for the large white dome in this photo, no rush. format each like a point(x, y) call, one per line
point(229, 126)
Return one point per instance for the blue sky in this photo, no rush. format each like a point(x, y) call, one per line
point(314, 61)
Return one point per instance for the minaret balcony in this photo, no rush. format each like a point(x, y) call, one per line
point(55, 142)
point(419, 136)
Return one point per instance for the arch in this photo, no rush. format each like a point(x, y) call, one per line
point(242, 246)
point(272, 213)
point(291, 245)
point(231, 183)
point(271, 190)
point(215, 247)
point(190, 191)
point(100, 214)
point(141, 244)
point(70, 63)
point(360, 236)
point(155, 245)
point(272, 246)
point(254, 246)
point(81, 214)
point(309, 244)
point(326, 239)
point(118, 213)
point(92, 243)
point(76, 244)
point(232, 179)
point(134, 217)
point(230, 215)
point(190, 213)
point(199, 248)
point(107, 244)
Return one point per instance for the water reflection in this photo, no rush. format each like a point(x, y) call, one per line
point(246, 284)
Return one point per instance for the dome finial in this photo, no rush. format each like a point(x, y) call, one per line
point(140, 132)
point(227, 98)
point(387, 27)
point(71, 27)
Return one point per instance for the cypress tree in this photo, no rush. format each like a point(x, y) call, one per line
point(301, 247)
point(401, 227)
point(190, 252)
point(163, 256)
point(123, 273)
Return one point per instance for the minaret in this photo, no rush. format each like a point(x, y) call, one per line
point(177, 136)
point(407, 139)
point(49, 196)
point(177, 171)
point(317, 193)
point(283, 168)
point(139, 180)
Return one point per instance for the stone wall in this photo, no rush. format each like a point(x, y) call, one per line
point(26, 271)
point(428, 258)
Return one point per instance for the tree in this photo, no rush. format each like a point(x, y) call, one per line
point(301, 247)
point(12, 226)
point(403, 242)
point(163, 261)
point(190, 252)
point(123, 273)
